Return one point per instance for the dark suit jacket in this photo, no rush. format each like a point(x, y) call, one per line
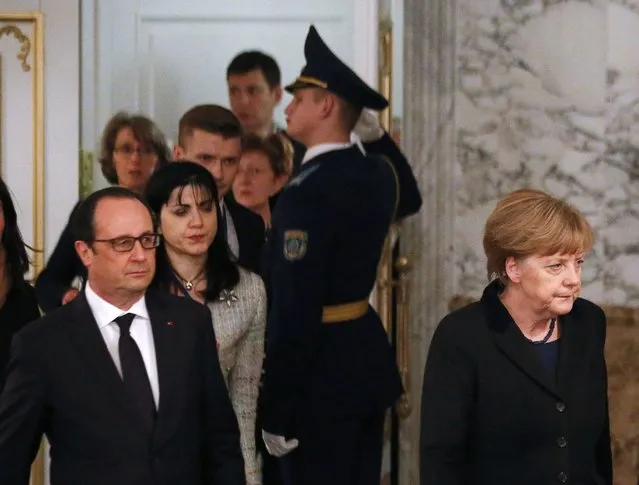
point(251, 233)
point(61, 269)
point(62, 382)
point(492, 414)
point(19, 309)
point(299, 150)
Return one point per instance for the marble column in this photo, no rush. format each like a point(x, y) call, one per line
point(505, 94)
point(429, 143)
point(531, 111)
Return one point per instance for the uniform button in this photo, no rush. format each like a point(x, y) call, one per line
point(562, 442)
point(561, 407)
point(562, 477)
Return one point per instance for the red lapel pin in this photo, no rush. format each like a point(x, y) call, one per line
point(170, 324)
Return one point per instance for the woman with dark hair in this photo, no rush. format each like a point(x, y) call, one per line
point(194, 261)
point(132, 147)
point(18, 304)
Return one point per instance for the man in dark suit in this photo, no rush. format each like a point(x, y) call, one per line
point(125, 383)
point(211, 136)
point(254, 82)
point(330, 371)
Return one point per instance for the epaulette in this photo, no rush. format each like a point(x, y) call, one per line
point(303, 175)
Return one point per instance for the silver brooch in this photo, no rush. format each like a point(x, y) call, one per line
point(228, 296)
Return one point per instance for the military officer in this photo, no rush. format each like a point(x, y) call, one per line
point(330, 372)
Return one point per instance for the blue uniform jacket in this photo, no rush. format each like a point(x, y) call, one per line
point(328, 229)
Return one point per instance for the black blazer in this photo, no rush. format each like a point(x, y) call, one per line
point(251, 233)
point(19, 309)
point(492, 414)
point(62, 382)
point(61, 269)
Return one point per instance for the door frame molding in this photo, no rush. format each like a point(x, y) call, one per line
point(366, 40)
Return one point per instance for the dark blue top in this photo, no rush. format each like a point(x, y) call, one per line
point(549, 354)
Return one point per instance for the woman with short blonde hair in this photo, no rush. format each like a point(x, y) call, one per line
point(530, 221)
point(515, 387)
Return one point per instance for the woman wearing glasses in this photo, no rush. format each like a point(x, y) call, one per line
point(132, 148)
point(265, 167)
point(193, 261)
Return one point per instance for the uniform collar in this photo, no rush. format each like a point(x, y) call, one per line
point(322, 148)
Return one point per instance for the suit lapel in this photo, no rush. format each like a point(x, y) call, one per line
point(170, 360)
point(236, 217)
point(512, 343)
point(522, 354)
point(90, 344)
point(573, 348)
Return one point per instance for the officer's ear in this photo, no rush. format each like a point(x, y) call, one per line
point(329, 105)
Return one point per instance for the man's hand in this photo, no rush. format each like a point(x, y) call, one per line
point(368, 128)
point(278, 445)
point(69, 295)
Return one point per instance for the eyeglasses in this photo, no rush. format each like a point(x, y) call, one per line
point(129, 150)
point(252, 172)
point(125, 244)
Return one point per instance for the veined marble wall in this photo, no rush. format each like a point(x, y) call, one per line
point(548, 97)
point(504, 94)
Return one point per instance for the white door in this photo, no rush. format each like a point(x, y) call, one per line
point(160, 57)
point(39, 116)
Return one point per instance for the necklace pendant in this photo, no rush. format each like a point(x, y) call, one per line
point(188, 285)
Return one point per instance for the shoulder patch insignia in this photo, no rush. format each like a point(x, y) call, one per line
point(302, 176)
point(295, 243)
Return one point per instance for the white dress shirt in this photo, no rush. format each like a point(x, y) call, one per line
point(231, 233)
point(316, 150)
point(105, 314)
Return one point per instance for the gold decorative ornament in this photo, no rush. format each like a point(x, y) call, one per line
point(25, 44)
point(33, 46)
point(385, 282)
point(403, 267)
point(86, 173)
point(384, 286)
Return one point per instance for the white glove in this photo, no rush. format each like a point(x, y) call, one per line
point(277, 445)
point(368, 127)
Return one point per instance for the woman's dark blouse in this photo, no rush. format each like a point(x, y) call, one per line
point(549, 354)
point(20, 308)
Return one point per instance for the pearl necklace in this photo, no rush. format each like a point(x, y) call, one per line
point(551, 329)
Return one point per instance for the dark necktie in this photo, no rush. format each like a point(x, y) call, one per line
point(136, 380)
